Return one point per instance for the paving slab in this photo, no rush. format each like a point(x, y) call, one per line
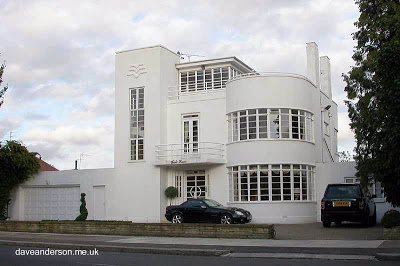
point(315, 231)
point(254, 242)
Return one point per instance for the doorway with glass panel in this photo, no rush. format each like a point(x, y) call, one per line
point(196, 186)
point(190, 135)
point(191, 184)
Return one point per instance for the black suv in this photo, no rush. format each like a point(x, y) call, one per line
point(347, 202)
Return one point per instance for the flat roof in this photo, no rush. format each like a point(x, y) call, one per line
point(230, 59)
point(147, 47)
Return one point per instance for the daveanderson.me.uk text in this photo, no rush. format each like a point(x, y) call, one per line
point(56, 252)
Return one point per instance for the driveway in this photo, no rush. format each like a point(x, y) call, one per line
point(315, 231)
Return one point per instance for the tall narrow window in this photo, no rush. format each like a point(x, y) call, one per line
point(191, 134)
point(137, 123)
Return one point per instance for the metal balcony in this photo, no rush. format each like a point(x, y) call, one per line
point(200, 153)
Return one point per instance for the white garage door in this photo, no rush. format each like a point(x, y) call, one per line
point(51, 203)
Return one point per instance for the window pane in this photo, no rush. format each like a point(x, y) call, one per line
point(235, 127)
point(208, 80)
point(252, 126)
point(274, 123)
point(225, 76)
point(217, 78)
point(191, 81)
point(285, 123)
point(276, 182)
point(184, 82)
point(244, 186)
point(200, 80)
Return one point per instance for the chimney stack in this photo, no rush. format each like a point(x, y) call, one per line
point(313, 63)
point(326, 76)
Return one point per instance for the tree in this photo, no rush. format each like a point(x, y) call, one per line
point(373, 92)
point(4, 89)
point(17, 165)
point(344, 156)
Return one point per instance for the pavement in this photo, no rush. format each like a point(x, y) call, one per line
point(310, 242)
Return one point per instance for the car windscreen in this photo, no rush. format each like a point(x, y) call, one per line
point(342, 192)
point(212, 203)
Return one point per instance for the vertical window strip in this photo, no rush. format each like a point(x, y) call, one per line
point(137, 123)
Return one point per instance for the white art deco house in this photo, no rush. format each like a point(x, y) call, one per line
point(215, 128)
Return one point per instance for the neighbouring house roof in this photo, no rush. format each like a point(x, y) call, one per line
point(45, 166)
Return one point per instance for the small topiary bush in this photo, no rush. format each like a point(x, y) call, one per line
point(82, 209)
point(171, 192)
point(391, 218)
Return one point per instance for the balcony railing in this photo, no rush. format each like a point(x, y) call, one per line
point(190, 153)
point(268, 74)
point(175, 92)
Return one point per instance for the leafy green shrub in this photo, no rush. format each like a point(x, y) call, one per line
point(391, 218)
point(82, 209)
point(171, 192)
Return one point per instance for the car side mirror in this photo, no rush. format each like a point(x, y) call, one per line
point(203, 206)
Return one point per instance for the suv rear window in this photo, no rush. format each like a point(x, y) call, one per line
point(342, 192)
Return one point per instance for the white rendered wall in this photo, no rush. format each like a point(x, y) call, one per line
point(85, 179)
point(137, 186)
point(272, 91)
point(280, 212)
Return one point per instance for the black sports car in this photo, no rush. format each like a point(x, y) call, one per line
point(206, 211)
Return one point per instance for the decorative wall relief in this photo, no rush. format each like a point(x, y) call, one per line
point(136, 70)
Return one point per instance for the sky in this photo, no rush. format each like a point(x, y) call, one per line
point(59, 59)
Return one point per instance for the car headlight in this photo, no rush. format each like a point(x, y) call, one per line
point(239, 213)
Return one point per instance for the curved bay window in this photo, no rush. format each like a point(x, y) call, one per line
point(270, 123)
point(275, 182)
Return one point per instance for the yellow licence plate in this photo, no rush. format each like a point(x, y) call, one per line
point(341, 204)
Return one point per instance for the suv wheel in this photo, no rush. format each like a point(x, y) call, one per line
point(373, 219)
point(326, 223)
point(366, 220)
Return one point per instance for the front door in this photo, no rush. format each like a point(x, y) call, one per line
point(196, 185)
point(190, 135)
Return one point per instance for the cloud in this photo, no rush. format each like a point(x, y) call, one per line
point(60, 57)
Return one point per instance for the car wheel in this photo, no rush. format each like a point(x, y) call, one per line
point(226, 219)
point(177, 218)
point(326, 223)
